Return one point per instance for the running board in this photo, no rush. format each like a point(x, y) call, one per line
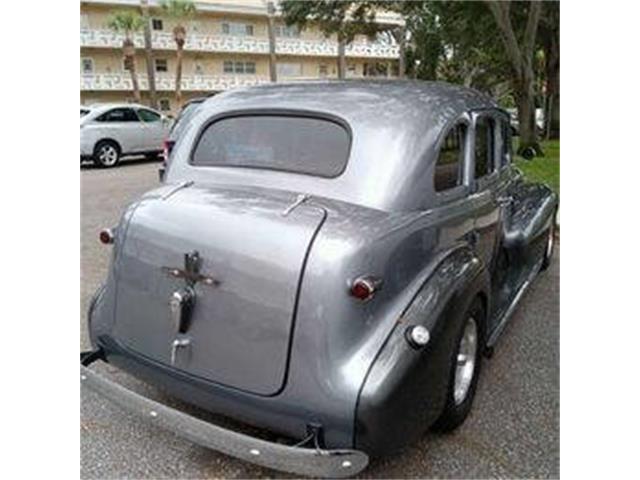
point(493, 338)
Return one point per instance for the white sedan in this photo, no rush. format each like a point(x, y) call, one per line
point(110, 131)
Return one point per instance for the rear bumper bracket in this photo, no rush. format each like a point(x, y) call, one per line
point(312, 462)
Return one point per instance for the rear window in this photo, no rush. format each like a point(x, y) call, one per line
point(183, 119)
point(298, 144)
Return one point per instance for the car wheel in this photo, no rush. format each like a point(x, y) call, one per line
point(106, 154)
point(465, 361)
point(550, 245)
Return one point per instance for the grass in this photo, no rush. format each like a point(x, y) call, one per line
point(543, 169)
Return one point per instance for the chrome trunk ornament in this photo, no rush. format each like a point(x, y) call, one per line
point(178, 343)
point(191, 272)
point(181, 305)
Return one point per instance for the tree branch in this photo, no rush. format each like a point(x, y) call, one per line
point(500, 11)
point(535, 10)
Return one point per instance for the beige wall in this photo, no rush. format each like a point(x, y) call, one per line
point(109, 60)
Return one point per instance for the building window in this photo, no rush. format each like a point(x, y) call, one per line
point(156, 24)
point(198, 69)
point(287, 31)
point(237, 28)
point(448, 168)
point(289, 69)
point(230, 66)
point(323, 71)
point(87, 65)
point(351, 70)
point(161, 65)
point(165, 104)
point(376, 69)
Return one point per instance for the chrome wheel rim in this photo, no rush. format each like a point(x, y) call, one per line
point(108, 155)
point(550, 242)
point(465, 361)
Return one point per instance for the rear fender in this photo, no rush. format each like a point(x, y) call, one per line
point(530, 215)
point(405, 389)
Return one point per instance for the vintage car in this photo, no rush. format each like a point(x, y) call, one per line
point(329, 261)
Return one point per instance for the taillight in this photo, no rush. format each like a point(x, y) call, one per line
point(364, 288)
point(167, 146)
point(106, 236)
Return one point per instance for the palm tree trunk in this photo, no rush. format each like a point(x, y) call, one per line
point(180, 37)
point(134, 82)
point(148, 50)
point(273, 76)
point(342, 63)
point(401, 38)
point(129, 52)
point(179, 74)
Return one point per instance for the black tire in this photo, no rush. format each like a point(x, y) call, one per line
point(528, 153)
point(550, 245)
point(152, 156)
point(106, 154)
point(454, 414)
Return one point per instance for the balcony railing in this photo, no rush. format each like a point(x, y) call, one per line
point(243, 44)
point(122, 81)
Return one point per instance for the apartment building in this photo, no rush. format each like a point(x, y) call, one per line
point(227, 46)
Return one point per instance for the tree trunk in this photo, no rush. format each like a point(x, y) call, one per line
point(552, 61)
point(521, 58)
point(129, 52)
point(148, 50)
point(179, 75)
point(273, 76)
point(525, 99)
point(179, 35)
point(342, 63)
point(401, 38)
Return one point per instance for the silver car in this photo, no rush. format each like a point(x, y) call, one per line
point(111, 131)
point(329, 261)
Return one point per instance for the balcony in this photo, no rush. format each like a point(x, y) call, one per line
point(122, 81)
point(240, 44)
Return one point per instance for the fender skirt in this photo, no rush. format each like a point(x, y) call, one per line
point(405, 389)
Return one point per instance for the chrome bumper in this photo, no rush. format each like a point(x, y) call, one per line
point(298, 460)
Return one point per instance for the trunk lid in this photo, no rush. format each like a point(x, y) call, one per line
point(240, 327)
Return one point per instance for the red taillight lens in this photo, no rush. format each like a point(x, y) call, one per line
point(106, 236)
point(167, 146)
point(364, 288)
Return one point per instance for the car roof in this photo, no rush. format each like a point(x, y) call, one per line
point(396, 127)
point(107, 106)
point(385, 102)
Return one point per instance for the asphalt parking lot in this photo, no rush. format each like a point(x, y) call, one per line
point(513, 430)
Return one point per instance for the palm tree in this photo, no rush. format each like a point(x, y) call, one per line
point(151, 73)
point(178, 10)
point(128, 22)
point(271, 11)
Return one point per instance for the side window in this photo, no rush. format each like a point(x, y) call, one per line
point(148, 115)
point(484, 146)
point(448, 167)
point(119, 115)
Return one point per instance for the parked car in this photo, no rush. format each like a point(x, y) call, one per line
point(111, 131)
point(84, 110)
point(326, 260)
